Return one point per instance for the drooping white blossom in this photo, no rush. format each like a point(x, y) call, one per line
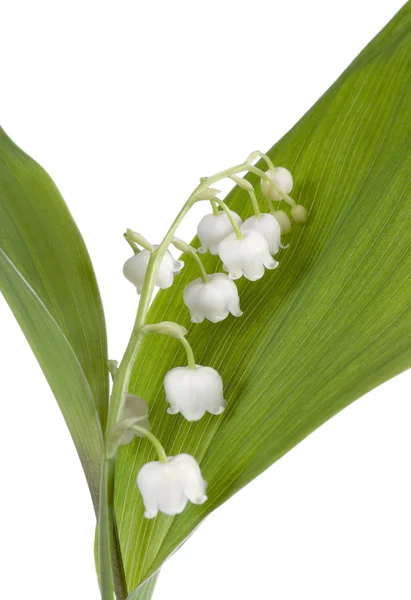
point(214, 300)
point(167, 487)
point(268, 226)
point(193, 392)
point(213, 228)
point(247, 256)
point(135, 407)
point(135, 269)
point(282, 180)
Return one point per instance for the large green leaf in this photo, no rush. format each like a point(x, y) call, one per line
point(60, 366)
point(331, 323)
point(47, 278)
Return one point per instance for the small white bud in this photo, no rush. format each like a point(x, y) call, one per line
point(214, 300)
point(299, 214)
point(284, 221)
point(193, 392)
point(282, 180)
point(167, 487)
point(247, 256)
point(135, 407)
point(268, 226)
point(135, 269)
point(213, 228)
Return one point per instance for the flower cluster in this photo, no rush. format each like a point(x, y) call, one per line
point(246, 249)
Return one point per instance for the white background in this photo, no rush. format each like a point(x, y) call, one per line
point(126, 104)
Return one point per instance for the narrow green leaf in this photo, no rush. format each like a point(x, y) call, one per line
point(43, 254)
point(331, 323)
point(60, 366)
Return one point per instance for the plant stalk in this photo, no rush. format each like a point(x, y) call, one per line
point(106, 530)
point(106, 524)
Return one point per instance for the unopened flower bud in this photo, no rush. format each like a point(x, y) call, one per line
point(282, 182)
point(283, 220)
point(299, 214)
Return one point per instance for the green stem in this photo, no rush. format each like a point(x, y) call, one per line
point(133, 246)
point(229, 214)
point(190, 354)
point(120, 386)
point(133, 236)
point(214, 207)
point(106, 530)
point(162, 456)
point(267, 159)
point(181, 245)
point(264, 176)
point(270, 205)
point(246, 185)
point(256, 207)
point(106, 524)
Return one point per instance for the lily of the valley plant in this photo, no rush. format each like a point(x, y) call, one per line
point(292, 301)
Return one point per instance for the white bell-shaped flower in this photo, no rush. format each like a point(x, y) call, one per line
point(268, 226)
point(282, 180)
point(135, 406)
point(193, 392)
point(247, 256)
point(135, 269)
point(214, 300)
point(213, 228)
point(167, 487)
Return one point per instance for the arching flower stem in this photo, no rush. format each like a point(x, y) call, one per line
point(162, 456)
point(266, 158)
point(137, 238)
point(264, 176)
point(214, 207)
point(254, 201)
point(228, 212)
point(247, 186)
point(189, 352)
point(132, 244)
point(184, 247)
